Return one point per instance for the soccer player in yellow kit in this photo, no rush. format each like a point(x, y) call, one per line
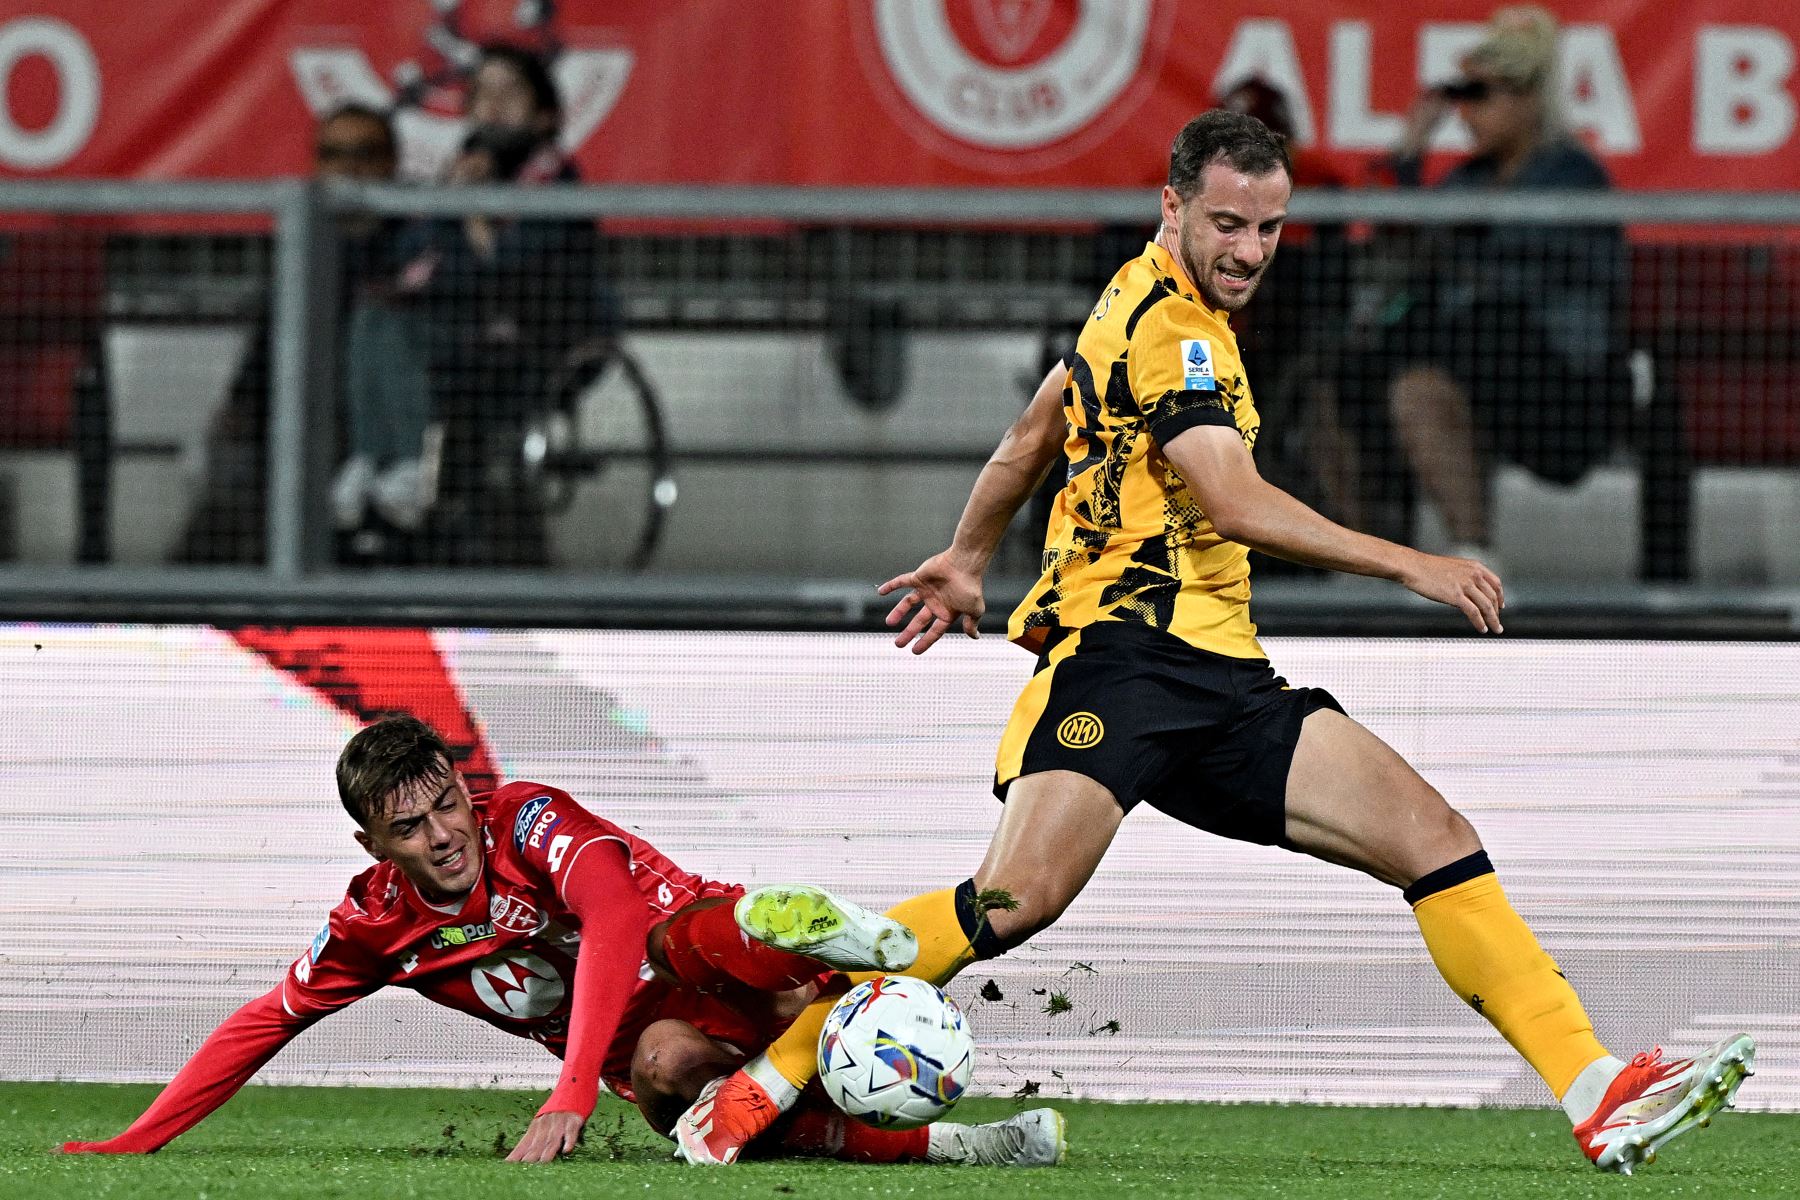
point(1151, 685)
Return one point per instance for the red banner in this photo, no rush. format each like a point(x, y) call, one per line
point(880, 92)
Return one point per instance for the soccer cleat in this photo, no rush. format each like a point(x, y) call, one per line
point(1652, 1101)
point(1031, 1139)
point(726, 1116)
point(811, 921)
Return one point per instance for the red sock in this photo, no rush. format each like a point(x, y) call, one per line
point(816, 1130)
point(705, 948)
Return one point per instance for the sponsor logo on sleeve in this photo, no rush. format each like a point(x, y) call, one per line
point(303, 966)
point(545, 823)
point(528, 813)
point(1197, 365)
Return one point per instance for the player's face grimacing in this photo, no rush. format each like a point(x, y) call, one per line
point(430, 833)
point(1225, 233)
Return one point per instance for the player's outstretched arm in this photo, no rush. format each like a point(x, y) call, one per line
point(945, 589)
point(1248, 509)
point(237, 1049)
point(593, 874)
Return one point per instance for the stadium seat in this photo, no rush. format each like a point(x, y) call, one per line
point(1720, 326)
point(53, 394)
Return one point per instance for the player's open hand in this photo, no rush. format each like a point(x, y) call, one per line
point(1461, 583)
point(550, 1136)
point(945, 593)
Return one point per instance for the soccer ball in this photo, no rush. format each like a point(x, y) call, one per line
point(896, 1052)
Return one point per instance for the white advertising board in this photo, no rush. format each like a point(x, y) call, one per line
point(170, 839)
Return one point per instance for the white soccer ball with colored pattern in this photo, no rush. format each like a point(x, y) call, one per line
point(896, 1052)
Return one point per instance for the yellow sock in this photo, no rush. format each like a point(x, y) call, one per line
point(1489, 957)
point(944, 948)
point(943, 951)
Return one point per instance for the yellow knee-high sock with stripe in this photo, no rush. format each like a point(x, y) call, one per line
point(944, 949)
point(1489, 957)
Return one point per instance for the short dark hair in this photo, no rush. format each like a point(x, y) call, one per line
point(1219, 135)
point(532, 69)
point(356, 110)
point(386, 757)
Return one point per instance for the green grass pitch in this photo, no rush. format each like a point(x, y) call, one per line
point(322, 1143)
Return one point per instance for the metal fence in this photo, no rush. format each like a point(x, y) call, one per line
point(258, 399)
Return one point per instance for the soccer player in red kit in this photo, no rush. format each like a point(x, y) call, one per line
point(523, 909)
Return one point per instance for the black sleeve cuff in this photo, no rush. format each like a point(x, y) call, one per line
point(1178, 412)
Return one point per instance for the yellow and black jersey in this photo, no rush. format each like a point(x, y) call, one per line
point(1127, 541)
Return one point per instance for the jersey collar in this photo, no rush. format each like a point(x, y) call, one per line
point(1159, 256)
point(425, 906)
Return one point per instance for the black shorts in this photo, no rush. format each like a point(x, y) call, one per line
point(1203, 737)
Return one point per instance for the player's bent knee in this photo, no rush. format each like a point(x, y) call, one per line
point(675, 1059)
point(1442, 836)
point(1460, 837)
point(1450, 828)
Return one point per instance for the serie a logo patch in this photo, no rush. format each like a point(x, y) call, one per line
point(1197, 365)
point(1081, 730)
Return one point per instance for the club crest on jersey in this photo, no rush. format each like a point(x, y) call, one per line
point(522, 823)
point(461, 935)
point(1197, 365)
point(514, 914)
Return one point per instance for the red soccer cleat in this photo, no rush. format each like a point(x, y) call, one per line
point(728, 1115)
point(1654, 1100)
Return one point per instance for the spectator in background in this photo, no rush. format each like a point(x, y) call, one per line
point(380, 489)
point(504, 305)
point(1499, 342)
point(352, 142)
point(512, 101)
point(1257, 97)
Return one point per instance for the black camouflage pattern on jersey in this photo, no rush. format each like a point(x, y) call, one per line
point(1128, 540)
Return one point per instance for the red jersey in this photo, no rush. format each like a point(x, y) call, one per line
point(507, 953)
point(549, 945)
